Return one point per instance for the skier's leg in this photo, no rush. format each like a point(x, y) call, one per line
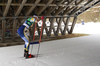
point(26, 47)
point(23, 35)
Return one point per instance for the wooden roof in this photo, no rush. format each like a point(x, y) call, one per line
point(14, 12)
point(26, 8)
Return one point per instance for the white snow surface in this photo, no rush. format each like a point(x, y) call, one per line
point(78, 51)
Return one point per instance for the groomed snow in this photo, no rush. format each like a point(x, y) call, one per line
point(78, 51)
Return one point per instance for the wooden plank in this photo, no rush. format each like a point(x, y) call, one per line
point(3, 30)
point(43, 8)
point(7, 8)
point(73, 24)
point(32, 8)
point(66, 25)
point(20, 7)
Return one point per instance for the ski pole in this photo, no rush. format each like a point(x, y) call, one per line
point(33, 37)
point(40, 37)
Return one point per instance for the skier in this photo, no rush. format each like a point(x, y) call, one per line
point(82, 22)
point(23, 30)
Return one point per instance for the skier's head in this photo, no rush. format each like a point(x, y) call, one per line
point(36, 17)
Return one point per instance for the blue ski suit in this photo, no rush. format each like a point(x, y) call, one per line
point(22, 31)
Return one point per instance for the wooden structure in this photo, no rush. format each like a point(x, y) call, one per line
point(14, 12)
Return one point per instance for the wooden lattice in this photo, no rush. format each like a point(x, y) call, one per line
point(14, 12)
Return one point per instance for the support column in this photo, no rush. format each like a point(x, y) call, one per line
point(3, 30)
point(73, 24)
point(14, 29)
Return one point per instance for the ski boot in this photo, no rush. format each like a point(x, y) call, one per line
point(26, 55)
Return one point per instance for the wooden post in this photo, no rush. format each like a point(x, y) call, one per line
point(3, 30)
point(73, 24)
point(14, 29)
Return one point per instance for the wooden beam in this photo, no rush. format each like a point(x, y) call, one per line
point(54, 31)
point(39, 16)
point(61, 30)
point(62, 8)
point(3, 30)
point(59, 26)
point(66, 25)
point(68, 10)
point(51, 26)
point(87, 4)
point(7, 8)
point(20, 7)
point(89, 7)
point(44, 27)
point(42, 4)
point(52, 9)
point(32, 8)
point(59, 10)
point(43, 8)
point(31, 4)
point(73, 24)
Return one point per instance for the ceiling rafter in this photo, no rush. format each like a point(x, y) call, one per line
point(7, 8)
point(52, 9)
point(33, 6)
point(20, 7)
point(82, 7)
point(42, 8)
point(62, 8)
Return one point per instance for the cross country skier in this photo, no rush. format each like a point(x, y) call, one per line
point(22, 31)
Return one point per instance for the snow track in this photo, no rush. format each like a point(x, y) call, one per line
point(78, 51)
